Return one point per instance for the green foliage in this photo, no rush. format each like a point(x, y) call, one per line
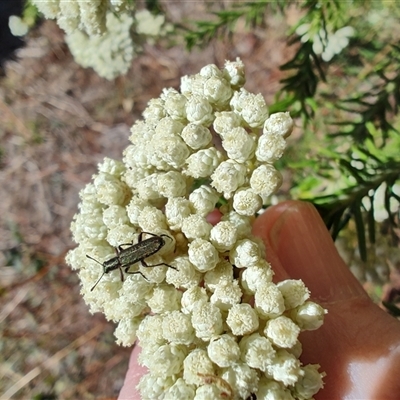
point(392, 308)
point(360, 152)
point(344, 186)
point(30, 14)
point(344, 83)
point(225, 21)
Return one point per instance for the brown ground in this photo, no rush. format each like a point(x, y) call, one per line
point(57, 122)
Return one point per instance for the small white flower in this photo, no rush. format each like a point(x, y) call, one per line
point(203, 200)
point(196, 365)
point(211, 71)
point(123, 234)
point(282, 331)
point(265, 180)
point(115, 216)
point(209, 391)
point(125, 332)
point(251, 107)
point(177, 328)
point(167, 128)
point(164, 298)
point(238, 144)
point(255, 276)
point(195, 226)
point(203, 255)
point(223, 271)
point(270, 147)
point(228, 177)
point(235, 72)
point(294, 292)
point(225, 121)
point(226, 294)
point(137, 155)
point(135, 288)
point(150, 330)
point(269, 302)
point(110, 190)
point(147, 188)
point(154, 386)
point(309, 316)
point(207, 320)
point(151, 219)
point(135, 207)
point(223, 235)
point(279, 124)
point(147, 23)
point(167, 359)
point(242, 319)
point(180, 390)
point(172, 150)
point(256, 351)
point(246, 202)
point(196, 136)
point(199, 111)
point(242, 379)
point(154, 275)
point(285, 368)
point(224, 350)
point(192, 85)
point(185, 275)
point(191, 297)
point(309, 382)
point(217, 91)
point(153, 113)
point(269, 389)
point(245, 254)
point(171, 184)
point(176, 210)
point(241, 223)
point(203, 163)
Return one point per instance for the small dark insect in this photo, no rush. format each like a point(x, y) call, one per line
point(134, 253)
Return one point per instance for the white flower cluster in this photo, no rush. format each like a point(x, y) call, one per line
point(110, 54)
point(327, 43)
point(104, 34)
point(211, 323)
point(88, 16)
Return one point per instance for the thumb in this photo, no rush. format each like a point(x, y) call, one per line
point(359, 344)
point(303, 249)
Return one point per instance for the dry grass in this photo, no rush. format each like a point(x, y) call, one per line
point(58, 122)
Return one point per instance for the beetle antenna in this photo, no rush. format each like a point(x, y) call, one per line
point(98, 262)
point(98, 280)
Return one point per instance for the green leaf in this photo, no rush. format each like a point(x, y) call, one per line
point(362, 246)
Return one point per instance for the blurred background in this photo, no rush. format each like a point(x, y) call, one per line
point(59, 119)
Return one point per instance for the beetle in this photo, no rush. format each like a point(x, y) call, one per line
point(131, 255)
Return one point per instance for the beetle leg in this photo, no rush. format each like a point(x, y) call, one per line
point(121, 273)
point(147, 233)
point(156, 265)
point(123, 244)
point(134, 272)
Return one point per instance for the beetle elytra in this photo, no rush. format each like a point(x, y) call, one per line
point(133, 254)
